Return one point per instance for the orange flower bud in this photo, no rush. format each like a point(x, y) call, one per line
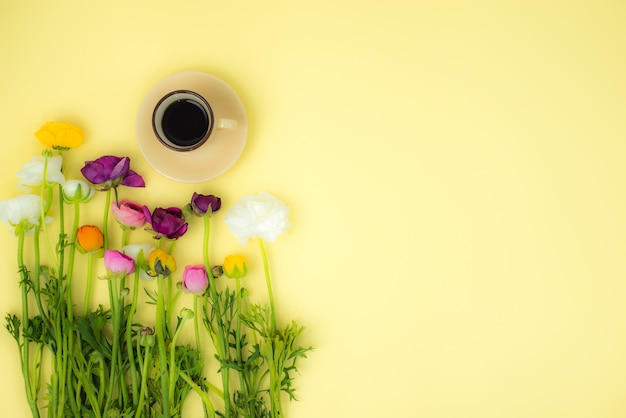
point(90, 238)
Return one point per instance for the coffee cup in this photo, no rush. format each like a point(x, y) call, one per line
point(183, 120)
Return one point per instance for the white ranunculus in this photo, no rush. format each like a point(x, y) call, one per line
point(259, 215)
point(78, 190)
point(21, 213)
point(133, 251)
point(31, 174)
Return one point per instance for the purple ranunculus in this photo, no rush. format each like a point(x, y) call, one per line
point(202, 204)
point(166, 222)
point(111, 171)
point(118, 263)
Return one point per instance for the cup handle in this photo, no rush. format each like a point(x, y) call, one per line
point(227, 124)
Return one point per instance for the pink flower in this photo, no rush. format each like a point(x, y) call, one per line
point(195, 279)
point(118, 263)
point(128, 213)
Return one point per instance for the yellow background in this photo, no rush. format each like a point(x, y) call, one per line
point(456, 173)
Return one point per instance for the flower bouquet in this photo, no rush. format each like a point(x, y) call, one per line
point(81, 360)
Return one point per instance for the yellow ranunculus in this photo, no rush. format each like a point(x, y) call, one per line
point(161, 262)
point(60, 135)
point(235, 266)
point(90, 238)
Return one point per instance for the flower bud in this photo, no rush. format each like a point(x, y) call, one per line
point(89, 238)
point(77, 191)
point(146, 337)
point(235, 266)
point(128, 213)
point(205, 204)
point(185, 314)
point(118, 263)
point(60, 135)
point(195, 279)
point(161, 263)
point(217, 271)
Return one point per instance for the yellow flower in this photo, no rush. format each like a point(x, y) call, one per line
point(235, 266)
point(60, 135)
point(90, 238)
point(161, 263)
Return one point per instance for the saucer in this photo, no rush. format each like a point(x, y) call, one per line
point(215, 156)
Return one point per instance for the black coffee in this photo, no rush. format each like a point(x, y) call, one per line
point(185, 123)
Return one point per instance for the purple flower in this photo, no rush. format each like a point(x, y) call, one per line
point(110, 171)
point(195, 279)
point(202, 204)
point(166, 222)
point(118, 263)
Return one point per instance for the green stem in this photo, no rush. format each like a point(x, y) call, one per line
point(196, 321)
point(90, 257)
point(70, 268)
point(222, 346)
point(115, 318)
point(172, 363)
point(205, 398)
point(25, 348)
point(238, 335)
point(45, 207)
point(105, 221)
point(144, 381)
point(129, 343)
point(268, 281)
point(37, 273)
point(160, 333)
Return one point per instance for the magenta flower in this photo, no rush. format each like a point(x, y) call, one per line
point(195, 279)
point(202, 204)
point(128, 213)
point(169, 222)
point(110, 171)
point(118, 263)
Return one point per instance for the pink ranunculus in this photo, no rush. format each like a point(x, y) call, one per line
point(128, 213)
point(118, 263)
point(195, 279)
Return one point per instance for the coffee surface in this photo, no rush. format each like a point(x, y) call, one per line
point(185, 123)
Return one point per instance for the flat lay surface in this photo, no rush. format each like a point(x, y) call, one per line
point(455, 174)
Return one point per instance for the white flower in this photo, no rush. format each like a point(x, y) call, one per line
point(31, 174)
point(134, 251)
point(21, 213)
point(258, 216)
point(77, 191)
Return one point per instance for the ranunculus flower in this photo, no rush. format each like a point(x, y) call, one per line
point(118, 263)
point(128, 213)
point(168, 222)
point(77, 191)
point(21, 213)
point(60, 135)
point(90, 238)
point(140, 253)
point(31, 174)
point(161, 263)
point(111, 171)
point(259, 215)
point(195, 279)
point(203, 204)
point(235, 266)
